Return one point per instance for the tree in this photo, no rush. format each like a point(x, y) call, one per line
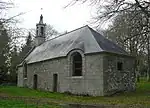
point(123, 28)
point(8, 49)
point(27, 47)
point(108, 10)
point(19, 33)
point(3, 7)
point(49, 33)
point(4, 52)
point(14, 62)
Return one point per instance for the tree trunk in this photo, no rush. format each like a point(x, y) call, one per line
point(148, 57)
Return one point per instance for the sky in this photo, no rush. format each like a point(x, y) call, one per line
point(54, 13)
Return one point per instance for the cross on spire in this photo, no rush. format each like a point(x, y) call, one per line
point(41, 17)
point(41, 10)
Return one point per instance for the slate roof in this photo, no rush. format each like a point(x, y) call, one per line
point(84, 38)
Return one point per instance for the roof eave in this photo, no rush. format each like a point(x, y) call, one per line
point(115, 53)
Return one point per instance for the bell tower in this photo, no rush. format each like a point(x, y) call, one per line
point(40, 32)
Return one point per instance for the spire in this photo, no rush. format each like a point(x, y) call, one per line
point(40, 32)
point(41, 19)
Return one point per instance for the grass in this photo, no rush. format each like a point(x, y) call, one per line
point(22, 104)
point(140, 96)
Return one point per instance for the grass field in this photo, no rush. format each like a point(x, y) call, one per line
point(22, 104)
point(140, 97)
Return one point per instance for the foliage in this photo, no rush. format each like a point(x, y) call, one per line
point(26, 48)
point(4, 53)
point(14, 62)
point(137, 27)
point(22, 104)
point(123, 28)
point(9, 34)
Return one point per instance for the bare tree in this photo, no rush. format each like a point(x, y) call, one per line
point(108, 9)
point(4, 7)
point(51, 32)
point(124, 27)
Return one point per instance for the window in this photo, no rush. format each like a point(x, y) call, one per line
point(77, 64)
point(25, 70)
point(36, 32)
point(119, 66)
point(42, 31)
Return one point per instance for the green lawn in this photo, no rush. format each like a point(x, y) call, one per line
point(21, 104)
point(140, 96)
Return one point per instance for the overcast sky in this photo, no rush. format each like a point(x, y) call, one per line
point(54, 13)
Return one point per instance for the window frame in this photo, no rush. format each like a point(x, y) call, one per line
point(25, 70)
point(77, 64)
point(42, 30)
point(119, 65)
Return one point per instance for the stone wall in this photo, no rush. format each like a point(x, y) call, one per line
point(91, 82)
point(99, 74)
point(118, 80)
point(20, 81)
point(94, 74)
point(44, 71)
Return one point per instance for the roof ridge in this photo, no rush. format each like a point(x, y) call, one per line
point(66, 33)
point(106, 39)
point(91, 31)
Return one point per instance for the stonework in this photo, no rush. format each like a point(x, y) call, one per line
point(20, 77)
point(99, 75)
point(80, 62)
point(118, 80)
point(91, 82)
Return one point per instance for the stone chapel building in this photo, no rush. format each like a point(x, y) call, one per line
point(81, 61)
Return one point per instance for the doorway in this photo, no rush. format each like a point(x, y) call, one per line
point(55, 82)
point(35, 79)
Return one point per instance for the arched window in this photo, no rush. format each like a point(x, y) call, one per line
point(37, 31)
point(77, 64)
point(42, 31)
point(25, 70)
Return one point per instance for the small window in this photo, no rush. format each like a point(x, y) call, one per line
point(77, 64)
point(36, 32)
point(119, 66)
point(42, 31)
point(25, 70)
